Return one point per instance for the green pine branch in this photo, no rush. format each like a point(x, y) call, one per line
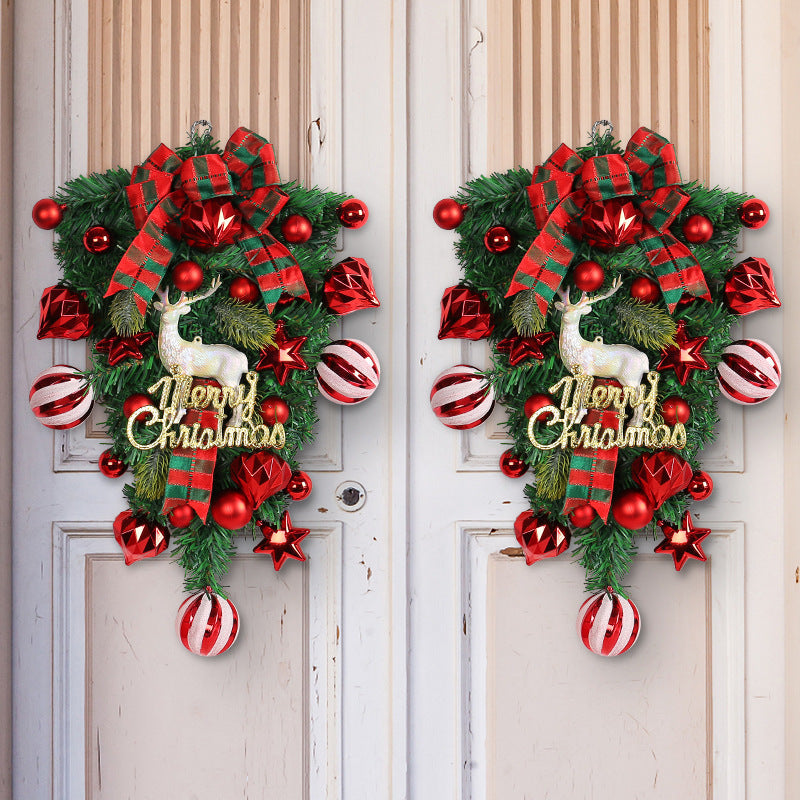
point(526, 317)
point(125, 315)
point(552, 473)
point(246, 324)
point(151, 475)
point(645, 323)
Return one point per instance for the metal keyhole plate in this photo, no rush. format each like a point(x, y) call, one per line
point(350, 496)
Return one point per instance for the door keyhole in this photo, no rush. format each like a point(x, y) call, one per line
point(351, 496)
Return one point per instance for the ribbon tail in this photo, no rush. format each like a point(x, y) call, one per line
point(677, 270)
point(191, 469)
point(591, 470)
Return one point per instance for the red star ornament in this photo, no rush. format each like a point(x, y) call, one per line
point(284, 355)
point(682, 542)
point(282, 542)
point(684, 355)
point(119, 348)
point(520, 348)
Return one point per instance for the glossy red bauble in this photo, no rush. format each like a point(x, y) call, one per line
point(608, 624)
point(754, 213)
point(274, 410)
point(300, 485)
point(448, 213)
point(111, 465)
point(353, 213)
point(701, 485)
point(296, 229)
point(498, 239)
point(675, 409)
point(645, 290)
point(181, 516)
point(582, 516)
point(632, 509)
point(97, 240)
point(588, 276)
point(47, 213)
point(535, 402)
point(207, 623)
point(231, 510)
point(697, 229)
point(187, 276)
point(512, 465)
point(136, 401)
point(244, 290)
point(61, 397)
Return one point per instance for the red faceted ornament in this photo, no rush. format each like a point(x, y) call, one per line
point(244, 290)
point(675, 409)
point(119, 348)
point(260, 475)
point(684, 356)
point(111, 465)
point(348, 287)
point(645, 290)
point(353, 213)
point(63, 314)
point(512, 465)
point(274, 410)
point(611, 223)
point(138, 537)
point(465, 314)
point(521, 348)
point(750, 286)
point(608, 623)
point(282, 542)
point(136, 401)
point(97, 240)
point(588, 276)
point(632, 509)
point(296, 229)
point(211, 223)
point(754, 213)
point(582, 516)
point(697, 229)
point(683, 542)
point(661, 475)
point(181, 516)
point(187, 276)
point(701, 485)
point(47, 213)
point(207, 623)
point(300, 485)
point(535, 402)
point(284, 355)
point(231, 510)
point(539, 536)
point(448, 213)
point(498, 240)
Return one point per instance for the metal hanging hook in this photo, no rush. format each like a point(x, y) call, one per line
point(597, 125)
point(194, 136)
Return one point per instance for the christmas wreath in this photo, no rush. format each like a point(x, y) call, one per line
point(611, 389)
point(206, 290)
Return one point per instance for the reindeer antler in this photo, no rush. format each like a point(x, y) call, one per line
point(614, 287)
point(215, 284)
point(164, 296)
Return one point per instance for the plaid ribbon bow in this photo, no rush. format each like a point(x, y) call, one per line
point(565, 184)
point(164, 185)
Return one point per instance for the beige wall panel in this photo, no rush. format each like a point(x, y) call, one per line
point(161, 722)
point(633, 720)
point(155, 66)
point(556, 66)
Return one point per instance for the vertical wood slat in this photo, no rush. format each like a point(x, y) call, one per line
point(556, 66)
point(155, 66)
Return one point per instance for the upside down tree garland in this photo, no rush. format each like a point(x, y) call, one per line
point(206, 290)
point(607, 288)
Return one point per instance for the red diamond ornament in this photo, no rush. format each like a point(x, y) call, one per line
point(63, 314)
point(465, 314)
point(348, 287)
point(282, 542)
point(138, 537)
point(611, 223)
point(540, 537)
point(750, 286)
point(260, 475)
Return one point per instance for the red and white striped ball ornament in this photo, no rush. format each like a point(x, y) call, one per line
point(749, 372)
point(462, 397)
point(60, 397)
point(608, 624)
point(207, 623)
point(348, 372)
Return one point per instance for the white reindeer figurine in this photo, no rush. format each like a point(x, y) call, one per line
point(620, 361)
point(221, 362)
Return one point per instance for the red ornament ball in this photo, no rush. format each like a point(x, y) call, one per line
point(588, 276)
point(353, 213)
point(207, 623)
point(645, 290)
point(231, 510)
point(181, 516)
point(60, 397)
point(749, 372)
point(187, 276)
point(47, 213)
point(274, 410)
point(582, 516)
point(512, 465)
point(608, 624)
point(498, 239)
point(461, 397)
point(136, 401)
point(300, 485)
point(244, 290)
point(111, 465)
point(754, 213)
point(697, 229)
point(448, 213)
point(701, 485)
point(296, 229)
point(97, 240)
point(675, 409)
point(348, 372)
point(632, 509)
point(535, 402)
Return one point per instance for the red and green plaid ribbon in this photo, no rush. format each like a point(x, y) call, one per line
point(164, 185)
point(565, 184)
